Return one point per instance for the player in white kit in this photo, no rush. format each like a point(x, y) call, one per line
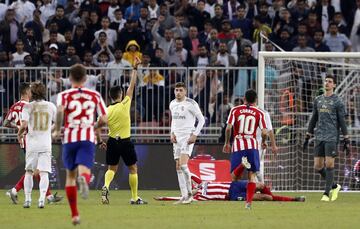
point(36, 118)
point(262, 149)
point(184, 112)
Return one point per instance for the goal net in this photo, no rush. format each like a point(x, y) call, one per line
point(287, 84)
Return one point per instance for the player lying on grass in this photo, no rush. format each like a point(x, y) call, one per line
point(235, 190)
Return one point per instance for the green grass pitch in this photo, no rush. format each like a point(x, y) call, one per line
point(344, 213)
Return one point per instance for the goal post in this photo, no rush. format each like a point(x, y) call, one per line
point(288, 82)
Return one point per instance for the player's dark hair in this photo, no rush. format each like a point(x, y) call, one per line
point(328, 76)
point(180, 84)
point(23, 88)
point(38, 91)
point(115, 92)
point(250, 96)
point(77, 73)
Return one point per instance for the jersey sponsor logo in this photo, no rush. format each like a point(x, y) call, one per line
point(207, 171)
point(178, 116)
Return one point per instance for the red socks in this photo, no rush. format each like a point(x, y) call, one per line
point(283, 198)
point(239, 170)
point(250, 191)
point(87, 177)
point(20, 184)
point(266, 190)
point(71, 193)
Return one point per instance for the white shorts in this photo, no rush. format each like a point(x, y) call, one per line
point(40, 161)
point(181, 146)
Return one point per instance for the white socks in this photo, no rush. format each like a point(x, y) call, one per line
point(260, 174)
point(28, 185)
point(182, 183)
point(43, 185)
point(187, 178)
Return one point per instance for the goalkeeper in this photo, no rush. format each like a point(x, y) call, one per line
point(327, 118)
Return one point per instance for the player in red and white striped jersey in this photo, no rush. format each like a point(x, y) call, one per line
point(245, 119)
point(12, 120)
point(77, 107)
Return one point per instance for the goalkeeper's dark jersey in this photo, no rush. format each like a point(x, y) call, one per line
point(327, 118)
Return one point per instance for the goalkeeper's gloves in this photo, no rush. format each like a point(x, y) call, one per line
point(346, 146)
point(306, 142)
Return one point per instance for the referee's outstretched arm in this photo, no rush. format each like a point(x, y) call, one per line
point(130, 90)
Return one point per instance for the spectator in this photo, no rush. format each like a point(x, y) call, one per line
point(242, 22)
point(118, 21)
point(285, 22)
point(179, 55)
point(325, 13)
point(93, 24)
point(103, 57)
point(81, 40)
point(111, 34)
point(192, 42)
point(212, 43)
point(251, 9)
point(302, 30)
point(54, 51)
point(337, 42)
point(284, 42)
point(158, 59)
point(259, 27)
point(10, 31)
point(167, 21)
point(342, 27)
point(163, 42)
point(46, 60)
point(154, 9)
point(18, 56)
point(143, 68)
point(133, 11)
point(247, 60)
point(312, 24)
point(203, 36)
point(203, 16)
point(62, 22)
point(355, 30)
point(36, 25)
point(236, 46)
point(143, 19)
point(202, 59)
point(130, 32)
point(264, 14)
point(223, 57)
point(91, 6)
point(4, 59)
point(118, 64)
point(132, 52)
point(300, 10)
point(230, 9)
point(101, 43)
point(225, 34)
point(88, 59)
point(218, 18)
point(23, 10)
point(180, 30)
point(302, 45)
point(47, 10)
point(70, 58)
point(111, 10)
point(3, 9)
point(319, 45)
point(32, 46)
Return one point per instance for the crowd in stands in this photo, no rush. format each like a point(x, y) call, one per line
point(170, 33)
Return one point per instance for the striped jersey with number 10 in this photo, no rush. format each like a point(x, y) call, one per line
point(246, 120)
point(80, 105)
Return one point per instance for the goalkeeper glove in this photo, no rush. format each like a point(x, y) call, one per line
point(346, 146)
point(306, 142)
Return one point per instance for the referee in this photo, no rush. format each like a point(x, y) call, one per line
point(119, 143)
point(328, 117)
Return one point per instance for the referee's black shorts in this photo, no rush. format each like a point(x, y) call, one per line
point(117, 148)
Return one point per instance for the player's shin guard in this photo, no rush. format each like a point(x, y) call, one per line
point(71, 193)
point(20, 184)
point(133, 182)
point(43, 185)
point(187, 177)
point(250, 191)
point(28, 185)
point(329, 180)
point(182, 183)
point(109, 176)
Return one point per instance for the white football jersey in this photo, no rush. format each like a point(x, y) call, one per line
point(184, 115)
point(40, 115)
point(269, 127)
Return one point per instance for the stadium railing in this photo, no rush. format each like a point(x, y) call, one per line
point(216, 89)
